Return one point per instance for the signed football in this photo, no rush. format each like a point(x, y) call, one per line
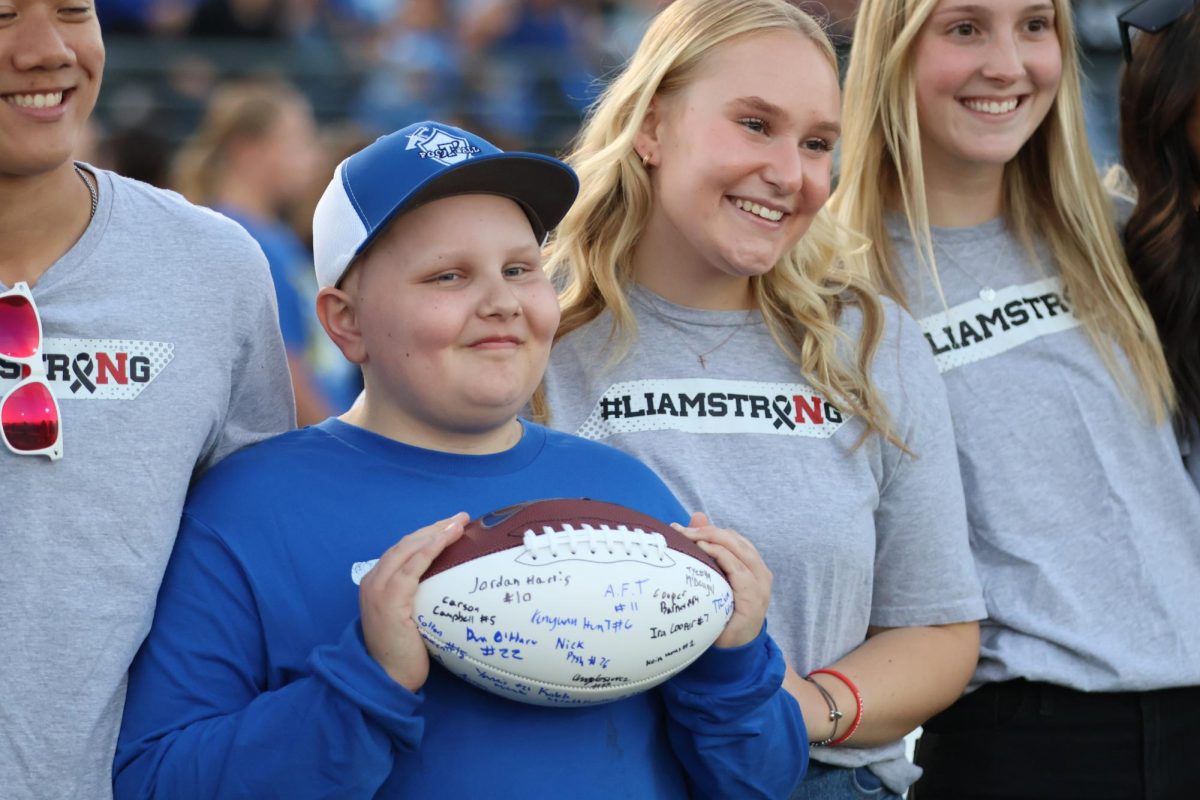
point(570, 602)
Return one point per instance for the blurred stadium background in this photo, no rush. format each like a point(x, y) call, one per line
point(522, 71)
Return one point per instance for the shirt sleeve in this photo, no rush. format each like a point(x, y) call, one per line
point(924, 571)
point(206, 717)
point(737, 732)
point(260, 401)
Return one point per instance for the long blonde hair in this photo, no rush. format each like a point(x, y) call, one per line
point(1052, 191)
point(590, 254)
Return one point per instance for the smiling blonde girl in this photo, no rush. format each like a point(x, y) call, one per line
point(965, 160)
point(710, 327)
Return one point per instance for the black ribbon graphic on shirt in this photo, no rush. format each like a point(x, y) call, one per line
point(783, 412)
point(83, 375)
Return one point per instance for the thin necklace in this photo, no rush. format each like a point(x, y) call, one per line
point(986, 293)
point(652, 304)
point(91, 189)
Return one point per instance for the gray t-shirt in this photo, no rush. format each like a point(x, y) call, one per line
point(1084, 522)
point(854, 537)
point(162, 346)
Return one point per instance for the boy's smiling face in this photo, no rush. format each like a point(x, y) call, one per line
point(456, 317)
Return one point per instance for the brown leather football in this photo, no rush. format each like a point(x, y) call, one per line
point(506, 527)
point(570, 602)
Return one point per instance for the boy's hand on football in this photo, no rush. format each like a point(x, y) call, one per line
point(746, 572)
point(385, 598)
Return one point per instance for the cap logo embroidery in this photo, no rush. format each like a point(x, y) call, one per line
point(442, 147)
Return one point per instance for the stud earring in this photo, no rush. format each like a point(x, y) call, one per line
point(646, 161)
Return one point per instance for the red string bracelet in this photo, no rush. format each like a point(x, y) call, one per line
point(858, 701)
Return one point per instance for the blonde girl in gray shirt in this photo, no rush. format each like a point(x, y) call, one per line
point(710, 328)
point(965, 161)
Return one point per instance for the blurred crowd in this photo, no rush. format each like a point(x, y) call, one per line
point(521, 70)
point(247, 105)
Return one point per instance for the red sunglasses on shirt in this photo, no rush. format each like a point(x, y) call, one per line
point(29, 415)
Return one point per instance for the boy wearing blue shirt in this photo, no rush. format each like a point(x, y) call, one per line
point(269, 673)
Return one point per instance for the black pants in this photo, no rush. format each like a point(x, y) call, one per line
point(1021, 740)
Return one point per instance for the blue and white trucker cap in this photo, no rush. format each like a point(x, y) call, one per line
point(424, 162)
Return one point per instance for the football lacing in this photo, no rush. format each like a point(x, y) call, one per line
point(570, 539)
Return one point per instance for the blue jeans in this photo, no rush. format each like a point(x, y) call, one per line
point(824, 782)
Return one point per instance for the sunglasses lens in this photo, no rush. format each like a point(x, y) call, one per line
point(1154, 15)
point(18, 327)
point(30, 418)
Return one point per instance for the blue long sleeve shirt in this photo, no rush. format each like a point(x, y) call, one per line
point(255, 681)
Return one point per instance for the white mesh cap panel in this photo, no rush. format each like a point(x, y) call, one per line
point(338, 231)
